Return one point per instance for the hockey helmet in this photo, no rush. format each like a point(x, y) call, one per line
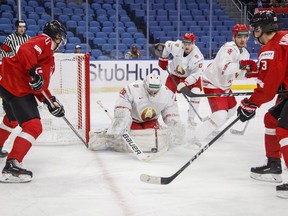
point(188, 38)
point(20, 23)
point(55, 30)
point(152, 83)
point(267, 20)
point(240, 29)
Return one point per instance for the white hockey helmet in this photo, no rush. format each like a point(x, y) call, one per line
point(152, 83)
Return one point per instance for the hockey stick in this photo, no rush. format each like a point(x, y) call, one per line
point(128, 139)
point(66, 120)
point(239, 132)
point(188, 93)
point(166, 180)
point(189, 102)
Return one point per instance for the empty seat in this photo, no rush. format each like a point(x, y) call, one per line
point(96, 53)
point(98, 42)
point(74, 40)
point(106, 48)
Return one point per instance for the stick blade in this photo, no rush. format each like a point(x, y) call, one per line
point(150, 179)
point(236, 132)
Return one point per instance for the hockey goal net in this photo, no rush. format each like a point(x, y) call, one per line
point(70, 84)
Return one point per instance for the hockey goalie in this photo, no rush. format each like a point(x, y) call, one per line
point(137, 111)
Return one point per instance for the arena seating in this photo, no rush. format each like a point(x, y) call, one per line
point(132, 25)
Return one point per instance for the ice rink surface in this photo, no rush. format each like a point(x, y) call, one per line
point(73, 181)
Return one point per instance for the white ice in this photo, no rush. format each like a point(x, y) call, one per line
point(71, 180)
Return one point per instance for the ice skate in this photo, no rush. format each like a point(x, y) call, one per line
point(268, 173)
point(3, 153)
point(282, 191)
point(13, 172)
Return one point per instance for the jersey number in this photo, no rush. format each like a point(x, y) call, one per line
point(263, 65)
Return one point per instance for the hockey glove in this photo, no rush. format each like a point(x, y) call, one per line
point(163, 63)
point(248, 65)
point(37, 81)
point(246, 110)
point(56, 108)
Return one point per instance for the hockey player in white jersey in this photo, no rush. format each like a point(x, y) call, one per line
point(137, 110)
point(186, 68)
point(231, 62)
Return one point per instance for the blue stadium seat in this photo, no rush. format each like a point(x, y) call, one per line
point(70, 34)
point(101, 35)
point(33, 3)
point(33, 16)
point(107, 29)
point(5, 21)
point(31, 22)
point(94, 29)
point(71, 24)
point(74, 40)
point(7, 15)
point(29, 9)
point(103, 57)
point(112, 35)
point(126, 35)
point(68, 11)
point(70, 46)
point(122, 47)
point(106, 48)
point(139, 35)
point(46, 17)
point(107, 24)
point(76, 18)
point(94, 24)
point(132, 30)
point(90, 35)
point(79, 11)
point(141, 42)
point(34, 28)
point(98, 42)
point(61, 5)
point(112, 41)
point(40, 10)
point(102, 18)
point(30, 33)
point(72, 5)
point(127, 41)
point(96, 53)
point(63, 18)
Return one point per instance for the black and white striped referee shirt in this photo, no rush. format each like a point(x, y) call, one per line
point(12, 43)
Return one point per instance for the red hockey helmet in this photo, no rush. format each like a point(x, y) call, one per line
point(189, 38)
point(240, 29)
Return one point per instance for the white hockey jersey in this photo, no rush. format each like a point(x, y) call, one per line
point(144, 107)
point(189, 67)
point(225, 67)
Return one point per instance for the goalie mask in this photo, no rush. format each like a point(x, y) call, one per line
point(152, 84)
point(57, 32)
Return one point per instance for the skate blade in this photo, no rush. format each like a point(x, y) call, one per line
point(273, 178)
point(9, 178)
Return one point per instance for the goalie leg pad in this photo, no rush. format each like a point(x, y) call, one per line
point(148, 139)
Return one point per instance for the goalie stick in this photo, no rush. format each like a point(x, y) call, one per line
point(189, 102)
point(128, 139)
point(66, 120)
point(166, 180)
point(187, 92)
point(239, 132)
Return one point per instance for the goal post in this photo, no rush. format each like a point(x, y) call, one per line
point(70, 83)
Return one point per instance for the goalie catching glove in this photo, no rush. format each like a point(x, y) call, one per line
point(56, 108)
point(37, 81)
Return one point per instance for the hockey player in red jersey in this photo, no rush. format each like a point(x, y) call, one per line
point(22, 78)
point(272, 74)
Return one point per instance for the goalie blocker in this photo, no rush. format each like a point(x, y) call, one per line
point(148, 140)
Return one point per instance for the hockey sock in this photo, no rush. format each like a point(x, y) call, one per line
point(272, 146)
point(6, 128)
point(23, 142)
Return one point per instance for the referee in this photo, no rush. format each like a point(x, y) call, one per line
point(13, 41)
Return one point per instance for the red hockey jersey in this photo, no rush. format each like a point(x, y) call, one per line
point(273, 68)
point(14, 72)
